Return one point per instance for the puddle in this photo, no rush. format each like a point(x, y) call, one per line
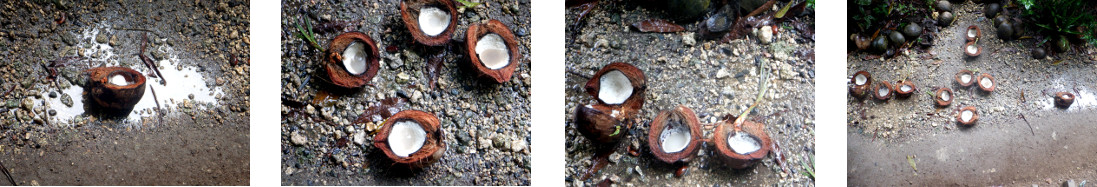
point(182, 82)
point(1084, 97)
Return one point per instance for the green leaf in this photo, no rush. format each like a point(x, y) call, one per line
point(467, 4)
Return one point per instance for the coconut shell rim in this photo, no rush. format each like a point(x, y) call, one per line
point(333, 64)
point(876, 90)
point(473, 35)
point(968, 72)
point(657, 126)
point(978, 49)
point(900, 92)
point(994, 83)
point(119, 97)
point(424, 155)
point(736, 160)
point(978, 33)
point(942, 102)
point(974, 116)
point(1064, 102)
point(411, 21)
point(636, 77)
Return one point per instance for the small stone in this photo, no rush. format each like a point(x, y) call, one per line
point(500, 142)
point(722, 73)
point(101, 38)
point(220, 81)
point(53, 112)
point(765, 34)
point(298, 139)
point(114, 40)
point(53, 94)
point(614, 157)
point(415, 96)
point(518, 145)
point(66, 99)
point(402, 77)
point(688, 39)
point(28, 104)
point(485, 143)
point(191, 96)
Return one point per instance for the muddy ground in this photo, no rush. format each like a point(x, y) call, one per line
point(486, 125)
point(49, 137)
point(712, 78)
point(1020, 138)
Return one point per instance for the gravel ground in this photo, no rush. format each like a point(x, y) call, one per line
point(1022, 105)
point(712, 78)
point(48, 139)
point(486, 125)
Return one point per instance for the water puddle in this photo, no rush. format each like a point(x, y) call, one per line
point(1084, 98)
point(183, 83)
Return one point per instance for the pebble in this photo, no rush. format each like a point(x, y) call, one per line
point(415, 96)
point(114, 41)
point(402, 77)
point(66, 99)
point(500, 142)
point(360, 137)
point(28, 104)
point(722, 73)
point(101, 38)
point(518, 145)
point(765, 34)
point(298, 139)
point(688, 39)
point(191, 96)
point(53, 94)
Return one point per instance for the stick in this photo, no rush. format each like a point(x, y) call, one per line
point(6, 173)
point(1029, 125)
point(148, 62)
point(159, 112)
point(763, 85)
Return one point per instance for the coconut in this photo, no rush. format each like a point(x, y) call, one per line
point(967, 116)
point(972, 50)
point(115, 89)
point(740, 148)
point(944, 96)
point(492, 51)
point(904, 88)
point(119, 80)
point(1064, 99)
point(675, 135)
point(986, 82)
point(1039, 53)
point(616, 88)
point(945, 19)
point(860, 84)
point(743, 143)
point(973, 33)
point(433, 21)
point(991, 10)
point(944, 5)
point(912, 30)
point(880, 44)
point(355, 58)
point(897, 38)
point(965, 77)
point(882, 91)
point(406, 137)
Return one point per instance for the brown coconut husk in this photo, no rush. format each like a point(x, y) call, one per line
point(473, 35)
point(941, 102)
point(333, 64)
point(1064, 99)
point(596, 124)
point(409, 11)
point(683, 114)
point(635, 76)
point(735, 160)
point(115, 97)
point(432, 149)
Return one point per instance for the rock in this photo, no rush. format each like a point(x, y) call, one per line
point(484, 143)
point(688, 39)
point(53, 112)
point(298, 139)
point(53, 94)
point(191, 96)
point(615, 157)
point(415, 96)
point(402, 77)
point(28, 104)
point(101, 38)
point(66, 99)
point(114, 41)
point(500, 142)
point(518, 145)
point(722, 73)
point(765, 34)
point(220, 81)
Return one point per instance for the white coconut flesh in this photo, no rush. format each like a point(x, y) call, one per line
point(742, 143)
point(946, 96)
point(860, 79)
point(406, 137)
point(1066, 96)
point(675, 138)
point(492, 51)
point(355, 57)
point(119, 80)
point(972, 49)
point(904, 88)
point(883, 91)
point(971, 33)
point(986, 83)
point(965, 78)
point(432, 21)
point(966, 115)
point(615, 88)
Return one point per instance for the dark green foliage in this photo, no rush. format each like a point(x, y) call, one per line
point(1062, 17)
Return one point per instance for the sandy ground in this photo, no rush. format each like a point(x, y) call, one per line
point(1002, 149)
point(49, 137)
point(711, 78)
point(486, 125)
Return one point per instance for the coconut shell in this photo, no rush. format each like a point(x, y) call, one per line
point(961, 81)
point(115, 97)
point(900, 92)
point(942, 102)
point(635, 76)
point(736, 160)
point(409, 11)
point(476, 31)
point(859, 91)
point(974, 116)
point(978, 33)
point(986, 75)
point(596, 123)
point(1064, 99)
point(876, 90)
point(432, 149)
point(682, 114)
point(978, 49)
point(333, 64)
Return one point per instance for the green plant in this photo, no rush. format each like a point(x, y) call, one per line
point(307, 34)
point(467, 4)
point(1062, 17)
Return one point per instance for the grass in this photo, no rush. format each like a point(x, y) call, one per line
point(306, 34)
point(808, 165)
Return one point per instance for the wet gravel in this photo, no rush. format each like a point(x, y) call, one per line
point(712, 78)
point(486, 125)
point(203, 37)
point(1022, 105)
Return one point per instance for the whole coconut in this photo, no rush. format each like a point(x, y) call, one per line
point(944, 5)
point(991, 10)
point(945, 19)
point(897, 38)
point(1039, 53)
point(1005, 31)
point(912, 30)
point(880, 44)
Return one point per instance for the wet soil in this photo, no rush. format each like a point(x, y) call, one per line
point(996, 149)
point(712, 78)
point(326, 139)
point(51, 138)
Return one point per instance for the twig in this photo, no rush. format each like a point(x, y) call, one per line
point(763, 85)
point(131, 29)
point(1029, 125)
point(159, 112)
point(148, 62)
point(578, 74)
point(6, 173)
